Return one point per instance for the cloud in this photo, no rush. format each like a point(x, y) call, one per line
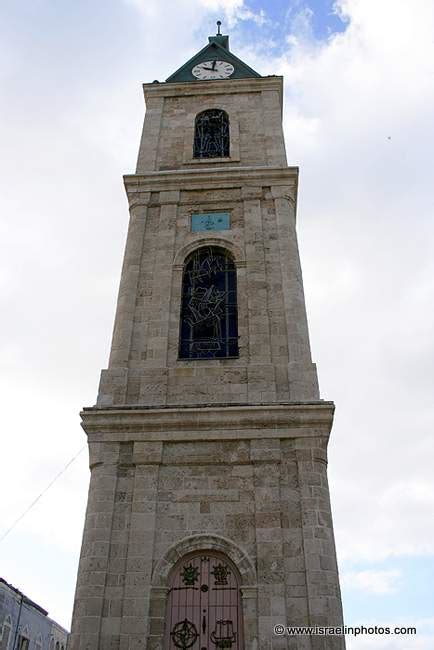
point(233, 11)
point(371, 581)
point(421, 642)
point(358, 120)
point(301, 27)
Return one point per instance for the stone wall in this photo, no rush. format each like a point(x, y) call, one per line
point(260, 192)
point(254, 107)
point(214, 454)
point(274, 361)
point(257, 493)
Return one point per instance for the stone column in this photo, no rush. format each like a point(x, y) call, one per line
point(297, 603)
point(148, 150)
point(154, 376)
point(259, 331)
point(261, 376)
point(114, 587)
point(161, 295)
point(113, 385)
point(265, 456)
point(322, 580)
point(138, 605)
point(127, 297)
point(157, 615)
point(95, 551)
point(303, 382)
point(273, 130)
point(249, 603)
point(243, 308)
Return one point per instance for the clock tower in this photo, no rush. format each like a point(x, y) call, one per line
point(208, 520)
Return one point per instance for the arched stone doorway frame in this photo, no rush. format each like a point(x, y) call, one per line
point(204, 542)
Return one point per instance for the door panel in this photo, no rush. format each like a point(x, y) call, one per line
point(204, 605)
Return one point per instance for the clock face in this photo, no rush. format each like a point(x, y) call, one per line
point(213, 70)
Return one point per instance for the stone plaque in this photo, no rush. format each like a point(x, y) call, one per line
point(210, 221)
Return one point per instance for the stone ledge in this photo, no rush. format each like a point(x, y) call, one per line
point(209, 177)
point(208, 422)
point(215, 87)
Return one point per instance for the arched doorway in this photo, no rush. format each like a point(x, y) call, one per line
point(204, 604)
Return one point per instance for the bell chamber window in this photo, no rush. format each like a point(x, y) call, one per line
point(208, 327)
point(211, 134)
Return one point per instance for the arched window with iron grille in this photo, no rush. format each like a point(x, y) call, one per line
point(208, 327)
point(211, 134)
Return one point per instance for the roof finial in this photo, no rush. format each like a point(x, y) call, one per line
point(219, 22)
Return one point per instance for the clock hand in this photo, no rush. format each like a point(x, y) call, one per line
point(213, 65)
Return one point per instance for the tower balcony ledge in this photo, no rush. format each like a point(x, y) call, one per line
point(209, 177)
point(208, 422)
point(213, 87)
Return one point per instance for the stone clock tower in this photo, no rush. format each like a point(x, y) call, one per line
point(208, 520)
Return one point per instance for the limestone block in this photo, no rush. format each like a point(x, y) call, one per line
point(147, 452)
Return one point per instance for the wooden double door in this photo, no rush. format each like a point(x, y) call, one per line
point(204, 604)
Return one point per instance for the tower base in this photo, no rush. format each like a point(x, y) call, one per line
point(245, 483)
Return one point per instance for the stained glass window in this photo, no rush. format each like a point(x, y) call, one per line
point(211, 134)
point(209, 306)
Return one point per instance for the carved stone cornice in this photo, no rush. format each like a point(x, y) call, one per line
point(210, 177)
point(216, 87)
point(212, 422)
point(138, 199)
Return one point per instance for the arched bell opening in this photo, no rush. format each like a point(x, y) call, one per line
point(211, 134)
point(204, 610)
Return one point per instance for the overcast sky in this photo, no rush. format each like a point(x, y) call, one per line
point(359, 107)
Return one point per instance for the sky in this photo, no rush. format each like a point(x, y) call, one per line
point(358, 120)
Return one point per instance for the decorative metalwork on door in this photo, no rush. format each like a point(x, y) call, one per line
point(204, 605)
point(208, 326)
point(211, 134)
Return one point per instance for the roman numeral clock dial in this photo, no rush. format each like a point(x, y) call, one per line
point(213, 70)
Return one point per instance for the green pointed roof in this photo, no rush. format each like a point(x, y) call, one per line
point(217, 49)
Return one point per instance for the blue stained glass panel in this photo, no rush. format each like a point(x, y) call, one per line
point(210, 221)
